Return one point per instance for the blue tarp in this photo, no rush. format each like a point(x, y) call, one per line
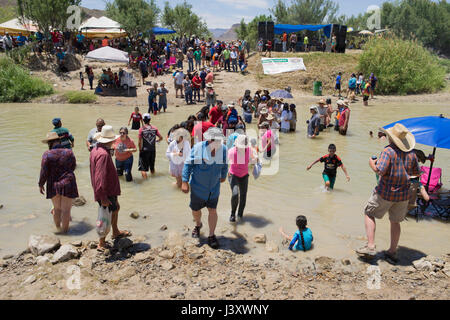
point(290, 28)
point(158, 30)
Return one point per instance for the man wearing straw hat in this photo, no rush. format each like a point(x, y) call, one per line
point(396, 164)
point(204, 170)
point(313, 123)
point(105, 181)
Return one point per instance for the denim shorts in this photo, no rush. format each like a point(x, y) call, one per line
point(197, 203)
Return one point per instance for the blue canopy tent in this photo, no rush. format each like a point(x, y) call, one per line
point(159, 30)
point(290, 28)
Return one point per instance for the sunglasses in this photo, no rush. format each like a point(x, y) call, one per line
point(122, 133)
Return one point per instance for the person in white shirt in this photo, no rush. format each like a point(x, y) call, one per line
point(286, 117)
point(177, 152)
point(234, 56)
point(179, 77)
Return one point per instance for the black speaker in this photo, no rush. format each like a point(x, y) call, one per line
point(278, 47)
point(270, 30)
point(341, 39)
point(335, 30)
point(262, 31)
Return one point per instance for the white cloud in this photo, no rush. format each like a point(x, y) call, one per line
point(219, 21)
point(242, 4)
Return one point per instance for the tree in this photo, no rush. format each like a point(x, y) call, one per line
point(183, 20)
point(134, 16)
point(47, 14)
point(7, 13)
point(250, 30)
point(242, 31)
point(305, 12)
point(425, 20)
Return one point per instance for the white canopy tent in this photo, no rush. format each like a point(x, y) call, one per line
point(108, 54)
point(14, 27)
point(102, 27)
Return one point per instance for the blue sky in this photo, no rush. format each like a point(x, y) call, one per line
point(224, 13)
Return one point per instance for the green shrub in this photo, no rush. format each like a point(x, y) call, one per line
point(80, 97)
point(401, 66)
point(17, 85)
point(20, 54)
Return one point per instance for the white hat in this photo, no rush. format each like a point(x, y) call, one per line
point(242, 141)
point(181, 132)
point(147, 116)
point(313, 108)
point(214, 133)
point(107, 135)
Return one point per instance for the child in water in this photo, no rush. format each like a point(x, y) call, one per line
point(303, 238)
point(332, 162)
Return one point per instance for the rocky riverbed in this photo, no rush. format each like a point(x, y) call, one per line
point(184, 269)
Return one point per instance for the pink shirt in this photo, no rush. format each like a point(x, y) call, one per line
point(265, 139)
point(239, 162)
point(104, 177)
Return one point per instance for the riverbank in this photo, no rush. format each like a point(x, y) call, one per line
point(184, 269)
point(230, 86)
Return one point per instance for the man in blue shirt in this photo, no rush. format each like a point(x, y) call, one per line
point(21, 40)
point(352, 87)
point(204, 170)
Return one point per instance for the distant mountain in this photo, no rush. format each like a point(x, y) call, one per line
point(216, 33)
point(93, 12)
point(231, 34)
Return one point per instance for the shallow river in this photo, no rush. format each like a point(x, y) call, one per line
point(336, 218)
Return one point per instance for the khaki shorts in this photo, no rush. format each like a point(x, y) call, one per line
point(377, 207)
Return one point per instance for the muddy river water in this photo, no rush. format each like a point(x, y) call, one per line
point(336, 218)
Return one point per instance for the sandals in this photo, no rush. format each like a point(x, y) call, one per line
point(366, 252)
point(213, 243)
point(123, 234)
point(196, 231)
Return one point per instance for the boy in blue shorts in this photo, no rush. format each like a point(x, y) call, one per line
point(331, 162)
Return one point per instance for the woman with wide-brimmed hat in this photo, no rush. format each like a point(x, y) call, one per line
point(57, 170)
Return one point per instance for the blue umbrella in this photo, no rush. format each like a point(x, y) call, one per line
point(158, 30)
point(281, 94)
point(430, 131)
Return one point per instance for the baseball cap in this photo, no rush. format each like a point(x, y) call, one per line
point(147, 116)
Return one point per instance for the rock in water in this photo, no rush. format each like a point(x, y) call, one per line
point(79, 202)
point(271, 246)
point(163, 228)
point(65, 253)
point(40, 245)
point(134, 215)
point(1, 206)
point(123, 244)
point(260, 238)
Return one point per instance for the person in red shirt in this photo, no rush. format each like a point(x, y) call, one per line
point(105, 181)
point(216, 112)
point(136, 116)
point(201, 125)
point(196, 85)
point(269, 48)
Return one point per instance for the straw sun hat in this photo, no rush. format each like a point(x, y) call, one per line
point(401, 137)
point(106, 136)
point(50, 137)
